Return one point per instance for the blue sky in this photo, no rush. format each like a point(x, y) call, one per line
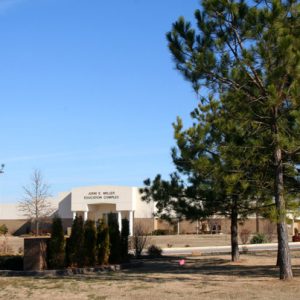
point(88, 91)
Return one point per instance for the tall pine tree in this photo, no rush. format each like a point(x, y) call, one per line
point(213, 180)
point(251, 48)
point(247, 55)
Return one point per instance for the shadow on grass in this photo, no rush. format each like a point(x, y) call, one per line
point(167, 269)
point(211, 266)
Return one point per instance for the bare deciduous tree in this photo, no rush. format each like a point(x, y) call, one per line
point(35, 204)
point(139, 238)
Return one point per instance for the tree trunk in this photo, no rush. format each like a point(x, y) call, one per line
point(235, 256)
point(284, 259)
point(257, 217)
point(36, 227)
point(278, 251)
point(257, 223)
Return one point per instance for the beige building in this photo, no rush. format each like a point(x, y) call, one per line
point(92, 202)
point(96, 202)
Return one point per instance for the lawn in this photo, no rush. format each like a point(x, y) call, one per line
point(204, 277)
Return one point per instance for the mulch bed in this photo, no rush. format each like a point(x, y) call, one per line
point(73, 271)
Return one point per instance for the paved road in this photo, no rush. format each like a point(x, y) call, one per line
point(226, 249)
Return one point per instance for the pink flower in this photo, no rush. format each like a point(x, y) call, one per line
point(181, 262)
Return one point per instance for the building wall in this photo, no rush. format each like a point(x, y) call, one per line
point(143, 209)
point(147, 225)
point(17, 227)
point(104, 199)
point(96, 211)
point(218, 225)
point(121, 196)
point(64, 205)
point(16, 222)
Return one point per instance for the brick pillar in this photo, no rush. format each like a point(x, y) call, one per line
point(35, 250)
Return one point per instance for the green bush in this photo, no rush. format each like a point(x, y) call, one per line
point(103, 243)
point(124, 239)
point(115, 239)
point(154, 251)
point(258, 238)
point(11, 262)
point(3, 229)
point(56, 245)
point(75, 255)
point(89, 243)
point(160, 232)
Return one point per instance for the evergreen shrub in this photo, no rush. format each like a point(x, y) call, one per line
point(89, 243)
point(3, 229)
point(160, 232)
point(124, 239)
point(56, 245)
point(103, 243)
point(258, 238)
point(11, 262)
point(115, 239)
point(154, 251)
point(75, 244)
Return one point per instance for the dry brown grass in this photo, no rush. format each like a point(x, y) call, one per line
point(207, 277)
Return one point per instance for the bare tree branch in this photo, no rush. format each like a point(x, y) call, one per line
point(35, 204)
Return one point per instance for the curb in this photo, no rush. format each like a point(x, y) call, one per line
point(226, 249)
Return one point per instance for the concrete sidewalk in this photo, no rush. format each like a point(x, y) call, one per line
point(226, 249)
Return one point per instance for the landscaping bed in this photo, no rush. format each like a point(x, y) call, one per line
point(11, 262)
point(72, 271)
